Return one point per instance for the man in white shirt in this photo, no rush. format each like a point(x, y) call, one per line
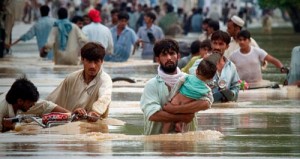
point(97, 32)
point(234, 26)
point(86, 91)
point(248, 60)
point(23, 97)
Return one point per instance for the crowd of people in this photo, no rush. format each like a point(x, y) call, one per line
point(171, 99)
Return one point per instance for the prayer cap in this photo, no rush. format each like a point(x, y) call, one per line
point(237, 20)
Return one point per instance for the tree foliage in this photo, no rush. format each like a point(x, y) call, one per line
point(291, 6)
point(284, 4)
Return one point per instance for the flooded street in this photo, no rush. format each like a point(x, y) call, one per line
point(264, 123)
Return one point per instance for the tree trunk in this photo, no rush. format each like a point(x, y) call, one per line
point(294, 13)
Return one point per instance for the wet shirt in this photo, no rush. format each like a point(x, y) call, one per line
point(97, 32)
point(229, 75)
point(190, 63)
point(71, 54)
point(294, 74)
point(41, 30)
point(154, 97)
point(234, 45)
point(147, 52)
point(249, 65)
point(194, 88)
point(41, 107)
point(74, 93)
point(122, 44)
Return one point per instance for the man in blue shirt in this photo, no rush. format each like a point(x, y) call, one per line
point(123, 38)
point(145, 37)
point(225, 85)
point(41, 30)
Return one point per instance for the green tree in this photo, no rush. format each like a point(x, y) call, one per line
point(291, 6)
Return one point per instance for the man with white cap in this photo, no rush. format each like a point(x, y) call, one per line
point(234, 26)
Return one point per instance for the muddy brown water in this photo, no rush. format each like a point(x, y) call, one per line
point(264, 123)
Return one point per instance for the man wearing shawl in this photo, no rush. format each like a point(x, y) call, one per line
point(66, 38)
point(154, 100)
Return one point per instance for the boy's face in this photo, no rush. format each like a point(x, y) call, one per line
point(91, 68)
point(243, 42)
point(25, 105)
point(122, 23)
point(168, 61)
point(204, 52)
point(219, 46)
point(79, 24)
point(147, 19)
point(86, 20)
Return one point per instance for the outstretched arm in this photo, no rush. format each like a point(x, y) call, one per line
point(15, 42)
point(274, 61)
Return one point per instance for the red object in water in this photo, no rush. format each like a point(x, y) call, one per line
point(55, 117)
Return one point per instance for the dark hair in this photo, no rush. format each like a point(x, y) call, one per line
point(44, 9)
point(93, 51)
point(214, 24)
point(76, 19)
point(165, 45)
point(221, 35)
point(170, 8)
point(195, 46)
point(113, 11)
point(206, 20)
point(123, 15)
point(244, 33)
point(23, 89)
point(151, 15)
point(207, 69)
point(206, 43)
point(62, 13)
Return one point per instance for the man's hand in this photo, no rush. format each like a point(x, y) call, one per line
point(284, 70)
point(93, 116)
point(168, 107)
point(43, 52)
point(7, 125)
point(80, 111)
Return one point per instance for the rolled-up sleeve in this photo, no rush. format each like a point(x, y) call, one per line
point(41, 107)
point(104, 98)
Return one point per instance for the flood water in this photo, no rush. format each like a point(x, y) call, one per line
point(264, 123)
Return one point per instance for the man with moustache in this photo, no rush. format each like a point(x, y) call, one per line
point(154, 101)
point(225, 85)
point(86, 91)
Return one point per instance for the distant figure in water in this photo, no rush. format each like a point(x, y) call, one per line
point(248, 60)
point(294, 73)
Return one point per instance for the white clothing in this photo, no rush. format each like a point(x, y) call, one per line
point(204, 36)
point(234, 45)
point(249, 65)
point(97, 32)
point(71, 55)
point(39, 108)
point(74, 93)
